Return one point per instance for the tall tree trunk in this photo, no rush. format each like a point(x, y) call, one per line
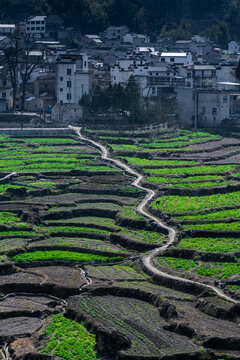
point(23, 96)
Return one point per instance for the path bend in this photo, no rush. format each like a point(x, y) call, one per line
point(172, 233)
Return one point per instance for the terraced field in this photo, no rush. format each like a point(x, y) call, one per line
point(72, 280)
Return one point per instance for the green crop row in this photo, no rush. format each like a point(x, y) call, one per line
point(234, 288)
point(147, 162)
point(210, 244)
point(69, 340)
point(148, 237)
point(168, 144)
point(234, 226)
point(63, 255)
point(130, 212)
point(7, 218)
point(70, 229)
point(43, 140)
point(205, 169)
point(169, 180)
point(209, 269)
point(178, 204)
point(56, 167)
point(36, 156)
point(216, 215)
point(206, 184)
point(4, 187)
point(219, 270)
point(176, 263)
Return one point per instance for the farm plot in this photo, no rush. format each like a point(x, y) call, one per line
point(208, 244)
point(115, 272)
point(63, 255)
point(215, 270)
point(26, 155)
point(68, 340)
point(77, 242)
point(78, 210)
point(206, 169)
point(190, 172)
point(182, 204)
point(139, 321)
point(149, 237)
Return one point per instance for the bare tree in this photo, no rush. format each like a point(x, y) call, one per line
point(20, 63)
point(11, 52)
point(28, 63)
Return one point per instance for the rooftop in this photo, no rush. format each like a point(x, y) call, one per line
point(92, 36)
point(204, 67)
point(37, 18)
point(7, 26)
point(183, 42)
point(174, 54)
point(116, 27)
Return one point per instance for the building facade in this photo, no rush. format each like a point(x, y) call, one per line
point(73, 78)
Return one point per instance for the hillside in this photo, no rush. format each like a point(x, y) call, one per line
point(140, 15)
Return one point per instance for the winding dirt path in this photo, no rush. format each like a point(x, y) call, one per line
point(8, 176)
point(148, 259)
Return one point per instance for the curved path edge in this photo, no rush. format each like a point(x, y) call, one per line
point(8, 176)
point(147, 260)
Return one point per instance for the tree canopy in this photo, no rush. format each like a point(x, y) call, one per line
point(92, 16)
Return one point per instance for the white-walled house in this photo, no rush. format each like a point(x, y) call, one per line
point(136, 39)
point(7, 29)
point(151, 79)
point(200, 76)
point(177, 58)
point(206, 107)
point(116, 32)
point(73, 78)
point(36, 26)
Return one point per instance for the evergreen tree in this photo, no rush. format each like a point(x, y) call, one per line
point(118, 97)
point(132, 94)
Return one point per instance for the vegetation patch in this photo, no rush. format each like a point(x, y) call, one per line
point(69, 340)
point(148, 237)
point(177, 263)
point(213, 215)
point(63, 255)
point(115, 272)
point(234, 226)
point(187, 179)
point(219, 270)
point(205, 169)
point(146, 162)
point(202, 185)
point(208, 244)
point(179, 204)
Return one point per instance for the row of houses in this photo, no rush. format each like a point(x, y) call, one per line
point(194, 74)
